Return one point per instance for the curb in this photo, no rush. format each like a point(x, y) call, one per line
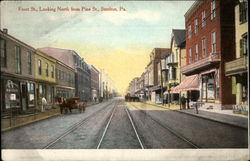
point(199, 116)
point(215, 120)
point(33, 121)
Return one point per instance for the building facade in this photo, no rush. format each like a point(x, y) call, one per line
point(45, 78)
point(210, 41)
point(65, 80)
point(238, 69)
point(95, 74)
point(155, 57)
point(81, 69)
point(17, 74)
point(173, 64)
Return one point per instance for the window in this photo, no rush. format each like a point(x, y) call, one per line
point(3, 52)
point(196, 52)
point(204, 47)
point(52, 71)
point(213, 39)
point(243, 12)
point(60, 74)
point(39, 67)
point(196, 26)
point(47, 69)
point(189, 31)
point(174, 73)
point(18, 59)
point(213, 10)
point(203, 18)
point(29, 62)
point(243, 46)
point(31, 93)
point(190, 55)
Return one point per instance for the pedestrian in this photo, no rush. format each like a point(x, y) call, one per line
point(188, 97)
point(183, 102)
point(44, 104)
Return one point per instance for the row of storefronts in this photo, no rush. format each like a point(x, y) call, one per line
point(28, 75)
point(206, 62)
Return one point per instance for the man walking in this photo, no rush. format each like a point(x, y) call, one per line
point(183, 102)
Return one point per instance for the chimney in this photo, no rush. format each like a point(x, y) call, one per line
point(5, 31)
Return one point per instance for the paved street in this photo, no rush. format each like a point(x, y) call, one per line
point(108, 126)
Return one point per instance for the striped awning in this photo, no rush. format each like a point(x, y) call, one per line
point(188, 84)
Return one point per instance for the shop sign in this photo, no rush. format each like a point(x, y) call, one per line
point(11, 86)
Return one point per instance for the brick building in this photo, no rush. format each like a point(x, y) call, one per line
point(210, 42)
point(155, 57)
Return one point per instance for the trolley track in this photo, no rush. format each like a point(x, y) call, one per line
point(108, 124)
point(168, 128)
point(74, 127)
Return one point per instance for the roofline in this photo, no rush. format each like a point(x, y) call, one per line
point(17, 41)
point(191, 10)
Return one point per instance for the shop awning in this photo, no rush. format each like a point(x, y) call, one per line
point(188, 84)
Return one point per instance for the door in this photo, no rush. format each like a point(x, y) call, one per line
point(24, 96)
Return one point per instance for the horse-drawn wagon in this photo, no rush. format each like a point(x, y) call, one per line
point(66, 105)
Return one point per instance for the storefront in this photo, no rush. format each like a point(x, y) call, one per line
point(17, 94)
point(47, 91)
point(209, 87)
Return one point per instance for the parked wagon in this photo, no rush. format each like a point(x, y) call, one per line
point(67, 105)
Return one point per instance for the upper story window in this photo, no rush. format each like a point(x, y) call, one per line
point(29, 62)
point(243, 46)
point(47, 69)
point(18, 59)
point(196, 52)
point(189, 32)
point(190, 55)
point(52, 71)
point(174, 73)
point(196, 26)
point(203, 18)
point(213, 39)
point(60, 74)
point(243, 12)
point(39, 67)
point(204, 47)
point(3, 53)
point(213, 9)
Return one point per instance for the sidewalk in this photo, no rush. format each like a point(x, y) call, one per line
point(8, 123)
point(222, 116)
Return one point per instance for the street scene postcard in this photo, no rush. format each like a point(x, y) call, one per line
point(124, 80)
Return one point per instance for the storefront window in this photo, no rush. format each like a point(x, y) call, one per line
point(31, 93)
point(12, 94)
point(3, 52)
point(208, 87)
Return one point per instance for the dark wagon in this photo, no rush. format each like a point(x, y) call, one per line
point(71, 103)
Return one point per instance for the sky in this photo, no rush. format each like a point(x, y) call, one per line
point(117, 41)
